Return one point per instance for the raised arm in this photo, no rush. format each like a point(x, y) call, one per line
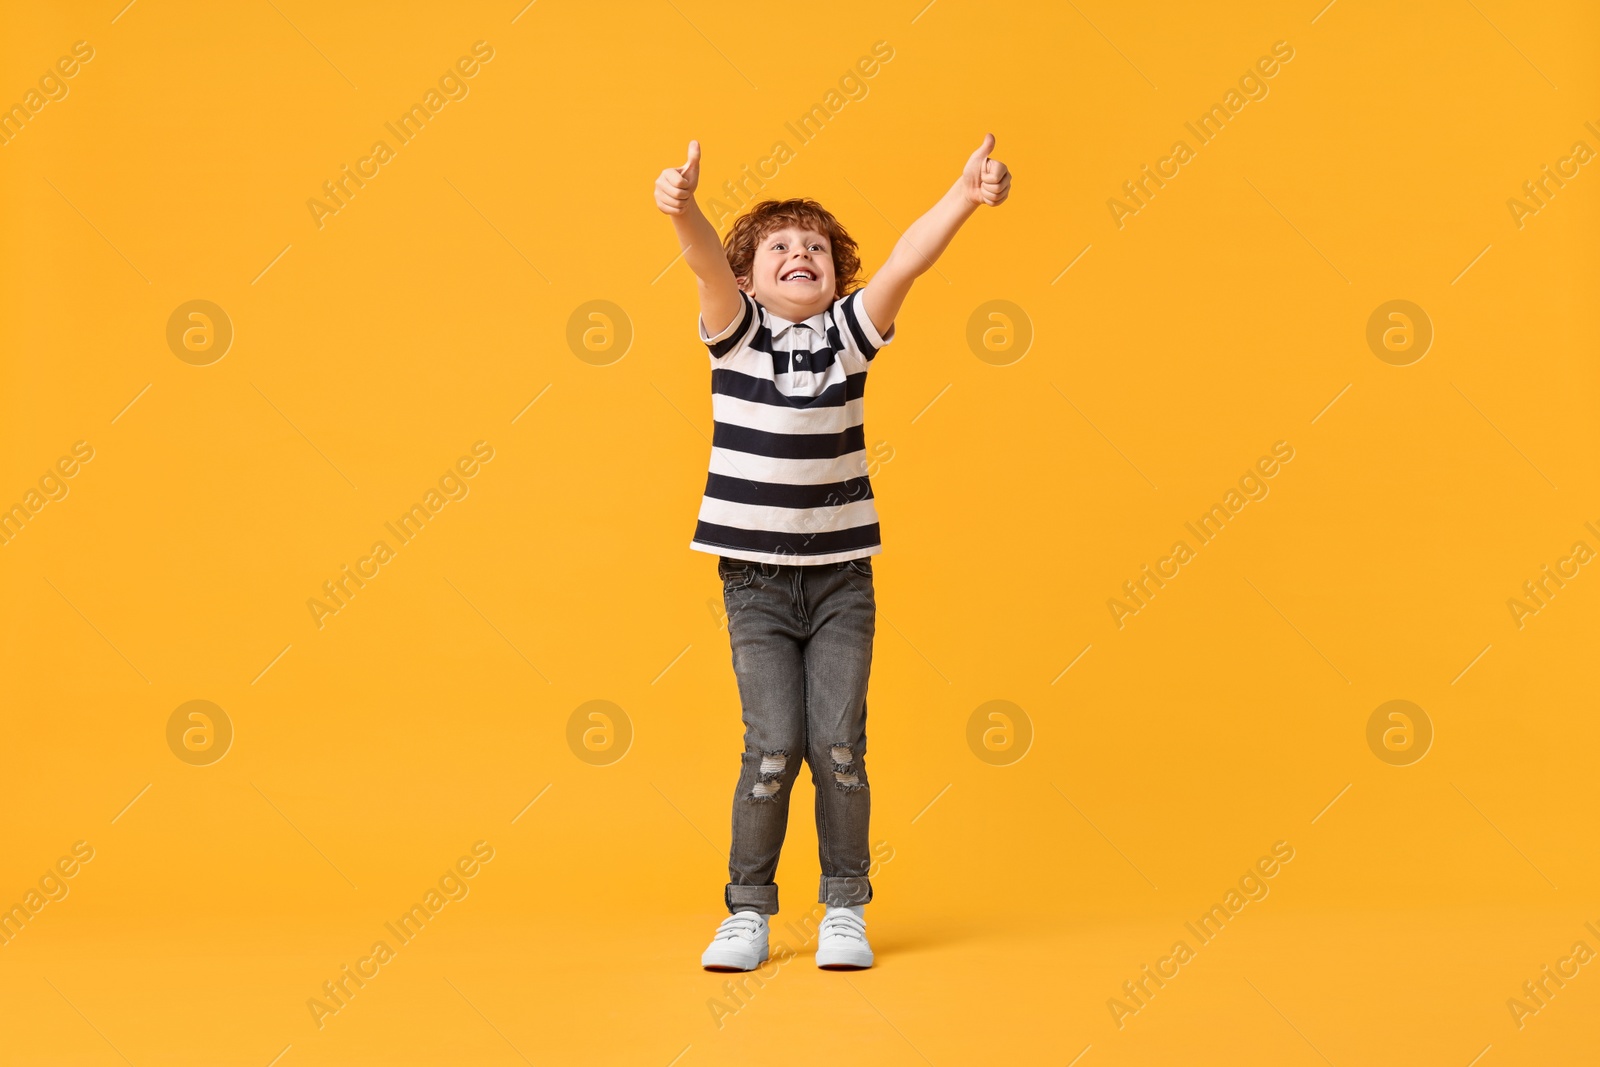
point(982, 181)
point(719, 290)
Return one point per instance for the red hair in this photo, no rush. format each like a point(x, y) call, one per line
point(769, 215)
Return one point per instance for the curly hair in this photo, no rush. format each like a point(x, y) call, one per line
point(769, 215)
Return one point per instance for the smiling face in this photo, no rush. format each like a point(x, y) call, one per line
point(792, 272)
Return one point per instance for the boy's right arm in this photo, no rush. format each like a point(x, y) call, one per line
point(720, 303)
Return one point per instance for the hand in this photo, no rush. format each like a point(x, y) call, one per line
point(675, 188)
point(984, 180)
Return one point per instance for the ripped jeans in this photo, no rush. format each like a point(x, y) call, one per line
point(802, 650)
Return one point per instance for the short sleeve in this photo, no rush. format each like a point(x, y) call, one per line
point(863, 336)
point(729, 339)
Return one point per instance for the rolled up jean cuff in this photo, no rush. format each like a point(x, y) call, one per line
point(843, 892)
point(757, 898)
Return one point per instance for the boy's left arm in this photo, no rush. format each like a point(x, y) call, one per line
point(982, 181)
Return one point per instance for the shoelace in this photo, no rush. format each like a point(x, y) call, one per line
point(844, 924)
point(738, 927)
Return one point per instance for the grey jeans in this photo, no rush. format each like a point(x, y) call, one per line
point(802, 650)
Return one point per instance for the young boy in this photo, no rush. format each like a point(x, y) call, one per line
point(788, 508)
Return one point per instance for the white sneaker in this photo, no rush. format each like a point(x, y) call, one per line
point(740, 943)
point(842, 940)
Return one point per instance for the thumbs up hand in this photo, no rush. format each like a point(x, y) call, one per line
point(985, 180)
point(676, 185)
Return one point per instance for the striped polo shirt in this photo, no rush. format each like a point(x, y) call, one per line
point(788, 479)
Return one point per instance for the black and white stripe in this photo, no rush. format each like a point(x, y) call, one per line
point(788, 477)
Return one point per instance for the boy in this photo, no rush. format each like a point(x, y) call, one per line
point(788, 508)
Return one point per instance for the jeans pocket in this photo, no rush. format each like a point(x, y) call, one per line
point(735, 573)
point(860, 566)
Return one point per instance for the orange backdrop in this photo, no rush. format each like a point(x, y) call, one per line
point(1305, 292)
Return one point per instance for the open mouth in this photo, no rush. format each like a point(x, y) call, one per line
point(799, 274)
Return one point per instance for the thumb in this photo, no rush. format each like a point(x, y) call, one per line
point(977, 158)
point(692, 164)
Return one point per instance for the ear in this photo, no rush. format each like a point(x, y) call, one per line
point(744, 282)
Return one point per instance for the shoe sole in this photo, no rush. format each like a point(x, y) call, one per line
point(844, 963)
point(710, 962)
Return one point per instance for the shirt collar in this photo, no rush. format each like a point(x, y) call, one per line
point(780, 325)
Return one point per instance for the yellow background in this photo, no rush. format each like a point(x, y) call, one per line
point(426, 315)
